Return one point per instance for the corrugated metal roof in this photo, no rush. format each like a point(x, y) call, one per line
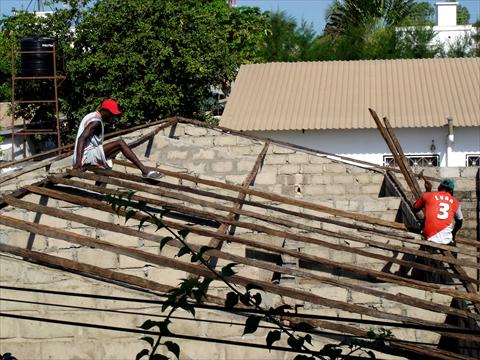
point(337, 94)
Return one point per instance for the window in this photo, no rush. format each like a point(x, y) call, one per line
point(473, 160)
point(415, 160)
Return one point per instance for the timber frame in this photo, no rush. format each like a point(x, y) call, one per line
point(213, 209)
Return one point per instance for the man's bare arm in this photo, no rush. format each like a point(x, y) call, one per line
point(87, 132)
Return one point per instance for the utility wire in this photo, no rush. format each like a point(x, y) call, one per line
point(147, 332)
point(246, 310)
point(231, 323)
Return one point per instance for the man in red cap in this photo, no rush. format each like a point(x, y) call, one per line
point(89, 147)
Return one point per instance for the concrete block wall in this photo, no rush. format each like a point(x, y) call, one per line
point(215, 155)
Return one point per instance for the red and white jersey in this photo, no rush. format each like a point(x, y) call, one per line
point(440, 210)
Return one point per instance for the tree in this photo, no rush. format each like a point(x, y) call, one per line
point(380, 29)
point(367, 15)
point(286, 41)
point(463, 15)
point(157, 58)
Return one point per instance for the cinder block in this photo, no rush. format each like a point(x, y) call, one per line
point(312, 168)
point(177, 155)
point(374, 205)
point(197, 168)
point(195, 131)
point(166, 276)
point(318, 159)
point(235, 179)
point(343, 179)
point(97, 257)
point(202, 141)
point(276, 159)
point(127, 262)
point(204, 154)
point(276, 149)
point(337, 189)
point(371, 189)
point(242, 141)
point(449, 172)
point(334, 168)
point(245, 165)
point(289, 169)
point(227, 140)
point(331, 293)
point(298, 158)
point(266, 178)
point(222, 166)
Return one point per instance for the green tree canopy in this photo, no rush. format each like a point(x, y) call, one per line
point(377, 29)
point(157, 58)
point(286, 40)
point(463, 15)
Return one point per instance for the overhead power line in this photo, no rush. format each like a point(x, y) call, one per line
point(147, 332)
point(441, 328)
point(183, 318)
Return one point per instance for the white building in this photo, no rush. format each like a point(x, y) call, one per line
point(446, 29)
point(324, 105)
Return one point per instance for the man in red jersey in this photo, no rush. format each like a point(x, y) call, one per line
point(441, 209)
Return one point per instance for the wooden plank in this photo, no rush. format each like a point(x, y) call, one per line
point(138, 283)
point(215, 205)
point(202, 271)
point(400, 161)
point(458, 270)
point(391, 233)
point(377, 275)
point(398, 349)
point(116, 228)
point(402, 156)
point(233, 213)
point(261, 194)
point(16, 173)
point(118, 278)
point(20, 193)
point(226, 221)
point(47, 162)
point(415, 188)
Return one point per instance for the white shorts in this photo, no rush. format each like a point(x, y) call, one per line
point(95, 156)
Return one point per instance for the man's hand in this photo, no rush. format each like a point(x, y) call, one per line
point(427, 183)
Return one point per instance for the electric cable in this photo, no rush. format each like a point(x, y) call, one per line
point(254, 311)
point(127, 312)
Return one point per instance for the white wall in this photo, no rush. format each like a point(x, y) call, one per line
point(447, 31)
point(6, 148)
point(368, 145)
point(446, 13)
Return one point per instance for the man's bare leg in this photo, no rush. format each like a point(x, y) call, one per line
point(120, 145)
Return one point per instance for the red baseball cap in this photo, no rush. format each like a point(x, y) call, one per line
point(111, 106)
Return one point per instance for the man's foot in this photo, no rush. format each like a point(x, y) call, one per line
point(152, 174)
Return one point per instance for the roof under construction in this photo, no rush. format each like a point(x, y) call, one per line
point(259, 229)
point(416, 93)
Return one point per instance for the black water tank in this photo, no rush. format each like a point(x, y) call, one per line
point(37, 62)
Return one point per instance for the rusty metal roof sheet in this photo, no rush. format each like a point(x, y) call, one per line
point(337, 94)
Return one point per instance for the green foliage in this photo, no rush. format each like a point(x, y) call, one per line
point(368, 15)
point(382, 29)
point(286, 41)
point(476, 39)
point(463, 15)
point(156, 58)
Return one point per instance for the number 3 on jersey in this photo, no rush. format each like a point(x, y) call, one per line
point(443, 211)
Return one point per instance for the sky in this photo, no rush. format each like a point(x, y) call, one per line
point(313, 11)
